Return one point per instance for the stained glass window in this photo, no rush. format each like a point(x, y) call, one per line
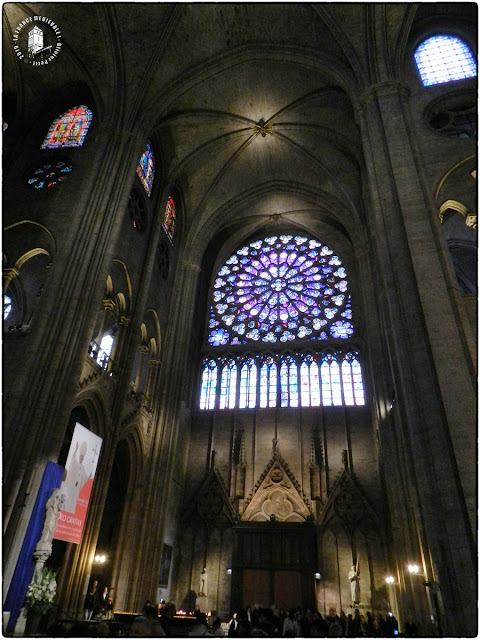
point(328, 378)
point(268, 383)
point(146, 169)
point(49, 175)
point(280, 289)
point(248, 384)
point(273, 291)
point(228, 385)
point(69, 130)
point(309, 383)
point(444, 58)
point(352, 380)
point(288, 382)
point(169, 219)
point(209, 385)
point(7, 306)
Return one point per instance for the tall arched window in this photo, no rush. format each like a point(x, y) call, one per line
point(169, 218)
point(248, 384)
point(288, 382)
point(209, 385)
point(352, 380)
point(309, 383)
point(268, 382)
point(443, 58)
point(228, 385)
point(69, 130)
point(146, 169)
point(331, 387)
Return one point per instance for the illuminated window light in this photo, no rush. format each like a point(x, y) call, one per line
point(442, 59)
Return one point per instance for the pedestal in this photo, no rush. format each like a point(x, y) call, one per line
point(202, 602)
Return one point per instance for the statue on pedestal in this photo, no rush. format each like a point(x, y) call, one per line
point(354, 578)
point(203, 582)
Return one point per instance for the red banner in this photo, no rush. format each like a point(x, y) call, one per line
point(77, 485)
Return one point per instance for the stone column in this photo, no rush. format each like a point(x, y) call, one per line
point(170, 390)
point(426, 347)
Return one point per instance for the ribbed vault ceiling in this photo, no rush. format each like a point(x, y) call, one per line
point(251, 104)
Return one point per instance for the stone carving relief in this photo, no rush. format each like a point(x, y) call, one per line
point(277, 498)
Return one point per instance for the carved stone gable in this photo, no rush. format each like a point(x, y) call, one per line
point(348, 506)
point(277, 496)
point(210, 501)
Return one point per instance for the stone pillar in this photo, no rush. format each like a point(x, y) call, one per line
point(169, 388)
point(427, 355)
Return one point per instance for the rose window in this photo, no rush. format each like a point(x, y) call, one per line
point(280, 289)
point(49, 175)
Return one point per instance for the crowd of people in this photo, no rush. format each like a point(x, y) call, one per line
point(307, 623)
point(250, 622)
point(257, 622)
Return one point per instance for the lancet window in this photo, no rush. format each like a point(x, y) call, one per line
point(277, 291)
point(146, 169)
point(443, 58)
point(169, 218)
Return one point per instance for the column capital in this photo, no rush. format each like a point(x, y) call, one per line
point(190, 266)
point(381, 90)
point(108, 303)
point(124, 321)
point(10, 273)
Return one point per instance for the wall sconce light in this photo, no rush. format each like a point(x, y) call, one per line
point(389, 579)
point(100, 558)
point(413, 568)
point(318, 575)
point(229, 571)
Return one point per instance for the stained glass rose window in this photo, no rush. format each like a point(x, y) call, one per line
point(278, 289)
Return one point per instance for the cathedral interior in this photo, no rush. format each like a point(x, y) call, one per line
point(239, 249)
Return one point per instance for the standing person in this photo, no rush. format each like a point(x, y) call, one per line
point(91, 601)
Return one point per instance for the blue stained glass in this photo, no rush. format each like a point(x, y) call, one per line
point(443, 59)
point(283, 281)
point(146, 169)
point(341, 329)
point(208, 388)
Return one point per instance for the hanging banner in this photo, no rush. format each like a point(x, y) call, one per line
point(77, 485)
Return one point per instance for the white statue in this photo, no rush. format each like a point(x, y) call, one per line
point(52, 508)
point(203, 582)
point(43, 550)
point(354, 577)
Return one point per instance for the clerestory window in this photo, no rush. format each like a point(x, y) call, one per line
point(443, 58)
point(146, 169)
point(69, 130)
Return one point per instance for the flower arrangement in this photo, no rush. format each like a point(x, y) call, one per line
point(41, 592)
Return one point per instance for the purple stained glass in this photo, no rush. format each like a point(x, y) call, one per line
point(278, 289)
